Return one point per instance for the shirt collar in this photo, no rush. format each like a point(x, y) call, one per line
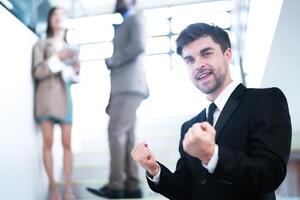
point(222, 98)
point(125, 16)
point(128, 13)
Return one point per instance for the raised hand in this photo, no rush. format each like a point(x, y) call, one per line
point(199, 141)
point(144, 156)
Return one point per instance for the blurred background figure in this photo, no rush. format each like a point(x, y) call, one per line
point(128, 89)
point(55, 68)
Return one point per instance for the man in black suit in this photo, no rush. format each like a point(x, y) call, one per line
point(235, 149)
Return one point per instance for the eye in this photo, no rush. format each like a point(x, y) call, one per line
point(207, 54)
point(189, 61)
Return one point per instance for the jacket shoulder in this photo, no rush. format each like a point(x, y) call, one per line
point(40, 43)
point(137, 18)
point(272, 92)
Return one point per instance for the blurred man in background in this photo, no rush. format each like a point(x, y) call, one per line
point(128, 89)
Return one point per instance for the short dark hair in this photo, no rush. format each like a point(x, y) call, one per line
point(118, 9)
point(197, 30)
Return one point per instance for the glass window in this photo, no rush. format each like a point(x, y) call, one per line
point(177, 62)
point(169, 84)
point(83, 34)
point(158, 27)
point(157, 62)
point(96, 51)
point(179, 22)
point(22, 10)
point(91, 95)
point(157, 45)
point(173, 42)
point(201, 8)
point(158, 13)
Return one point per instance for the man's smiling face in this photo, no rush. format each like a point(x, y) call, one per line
point(208, 66)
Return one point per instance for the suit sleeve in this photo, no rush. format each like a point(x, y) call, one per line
point(136, 44)
point(263, 168)
point(177, 185)
point(40, 68)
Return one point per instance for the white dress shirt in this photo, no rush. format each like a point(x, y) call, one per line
point(220, 102)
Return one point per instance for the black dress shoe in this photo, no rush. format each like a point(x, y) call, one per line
point(107, 192)
point(133, 194)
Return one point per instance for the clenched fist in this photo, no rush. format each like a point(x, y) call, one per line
point(144, 156)
point(199, 141)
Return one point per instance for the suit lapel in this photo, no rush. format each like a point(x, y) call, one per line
point(229, 108)
point(227, 111)
point(201, 117)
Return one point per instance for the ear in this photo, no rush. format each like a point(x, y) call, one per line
point(228, 55)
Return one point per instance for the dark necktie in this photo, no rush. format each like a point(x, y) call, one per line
point(211, 110)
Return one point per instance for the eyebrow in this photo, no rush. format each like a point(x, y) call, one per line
point(206, 49)
point(202, 51)
point(187, 57)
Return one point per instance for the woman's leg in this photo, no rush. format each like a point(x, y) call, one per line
point(47, 129)
point(68, 157)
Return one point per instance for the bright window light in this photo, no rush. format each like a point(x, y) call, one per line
point(153, 24)
point(205, 8)
point(158, 13)
point(96, 51)
point(83, 34)
point(158, 45)
point(173, 42)
point(222, 19)
point(169, 84)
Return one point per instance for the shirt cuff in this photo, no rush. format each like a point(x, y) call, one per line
point(55, 64)
point(211, 166)
point(155, 179)
point(69, 74)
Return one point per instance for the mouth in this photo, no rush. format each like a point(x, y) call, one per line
point(203, 76)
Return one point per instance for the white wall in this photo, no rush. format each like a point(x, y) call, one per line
point(21, 171)
point(283, 65)
point(261, 26)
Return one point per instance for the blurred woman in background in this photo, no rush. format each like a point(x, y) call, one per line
point(55, 68)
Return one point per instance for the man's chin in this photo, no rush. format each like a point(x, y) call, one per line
point(206, 90)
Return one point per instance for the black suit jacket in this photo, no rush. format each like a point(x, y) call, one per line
point(253, 133)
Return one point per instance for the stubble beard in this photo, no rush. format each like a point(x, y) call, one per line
point(218, 81)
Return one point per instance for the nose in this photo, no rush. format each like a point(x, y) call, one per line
point(199, 64)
